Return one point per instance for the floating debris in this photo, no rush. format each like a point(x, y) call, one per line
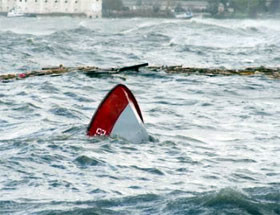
point(94, 71)
point(54, 71)
point(269, 72)
point(45, 71)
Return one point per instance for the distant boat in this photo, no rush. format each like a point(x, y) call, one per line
point(184, 15)
point(17, 12)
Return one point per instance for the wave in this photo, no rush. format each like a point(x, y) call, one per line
point(248, 25)
point(196, 42)
point(255, 201)
point(226, 201)
point(40, 26)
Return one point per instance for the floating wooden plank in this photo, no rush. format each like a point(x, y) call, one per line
point(97, 71)
point(133, 68)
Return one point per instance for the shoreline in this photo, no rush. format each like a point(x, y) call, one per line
point(149, 14)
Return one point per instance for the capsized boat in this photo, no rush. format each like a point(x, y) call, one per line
point(119, 115)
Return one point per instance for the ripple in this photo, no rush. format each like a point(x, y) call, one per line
point(84, 161)
point(149, 170)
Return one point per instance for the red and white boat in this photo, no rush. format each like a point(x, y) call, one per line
point(119, 115)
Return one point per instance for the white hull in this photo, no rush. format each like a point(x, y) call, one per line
point(18, 13)
point(129, 126)
point(15, 15)
point(186, 15)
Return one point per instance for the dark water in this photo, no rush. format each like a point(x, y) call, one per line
point(214, 143)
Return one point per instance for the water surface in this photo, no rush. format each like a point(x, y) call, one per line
point(214, 141)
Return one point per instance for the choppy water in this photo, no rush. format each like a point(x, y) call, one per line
point(214, 141)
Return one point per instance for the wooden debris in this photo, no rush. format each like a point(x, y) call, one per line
point(88, 70)
point(269, 72)
point(93, 71)
point(133, 68)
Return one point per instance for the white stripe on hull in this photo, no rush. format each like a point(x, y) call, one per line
point(130, 126)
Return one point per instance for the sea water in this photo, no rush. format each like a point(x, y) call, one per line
point(214, 142)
